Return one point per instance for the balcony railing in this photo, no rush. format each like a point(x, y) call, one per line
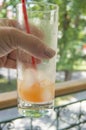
point(64, 114)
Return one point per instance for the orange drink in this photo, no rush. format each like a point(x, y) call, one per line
point(39, 92)
point(35, 89)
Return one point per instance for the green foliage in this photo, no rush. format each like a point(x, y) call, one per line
point(5, 86)
point(72, 23)
point(72, 32)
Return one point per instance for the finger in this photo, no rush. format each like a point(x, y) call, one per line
point(7, 62)
point(2, 61)
point(14, 23)
point(11, 38)
point(36, 31)
point(32, 45)
point(22, 56)
point(13, 54)
point(10, 63)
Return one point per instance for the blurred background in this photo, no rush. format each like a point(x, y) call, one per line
point(71, 58)
point(71, 65)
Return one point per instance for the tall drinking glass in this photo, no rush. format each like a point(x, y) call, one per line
point(36, 87)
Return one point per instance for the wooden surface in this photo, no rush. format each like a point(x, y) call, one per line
point(10, 98)
point(69, 87)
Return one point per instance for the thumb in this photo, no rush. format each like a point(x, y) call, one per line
point(11, 38)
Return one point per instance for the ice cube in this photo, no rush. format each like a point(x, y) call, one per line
point(45, 83)
point(41, 76)
point(29, 77)
point(47, 95)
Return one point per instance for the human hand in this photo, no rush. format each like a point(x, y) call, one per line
point(13, 37)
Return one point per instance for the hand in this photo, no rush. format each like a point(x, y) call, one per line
point(13, 37)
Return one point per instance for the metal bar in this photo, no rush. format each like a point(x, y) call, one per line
point(31, 125)
point(0, 127)
point(69, 104)
point(74, 125)
point(11, 120)
point(57, 109)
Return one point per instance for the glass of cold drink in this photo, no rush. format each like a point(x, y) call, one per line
point(36, 84)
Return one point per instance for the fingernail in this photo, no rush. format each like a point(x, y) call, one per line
point(49, 52)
